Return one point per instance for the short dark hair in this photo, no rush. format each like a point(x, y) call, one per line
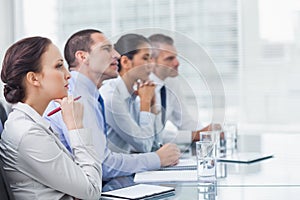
point(79, 41)
point(128, 45)
point(158, 39)
point(22, 57)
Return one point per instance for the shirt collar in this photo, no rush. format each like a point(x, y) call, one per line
point(81, 84)
point(158, 82)
point(120, 84)
point(33, 114)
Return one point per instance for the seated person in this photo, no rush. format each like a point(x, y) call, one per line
point(171, 107)
point(37, 164)
point(131, 126)
point(92, 59)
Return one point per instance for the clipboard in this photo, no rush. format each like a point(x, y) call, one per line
point(245, 157)
point(140, 191)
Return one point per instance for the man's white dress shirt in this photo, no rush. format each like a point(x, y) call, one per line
point(176, 113)
point(113, 164)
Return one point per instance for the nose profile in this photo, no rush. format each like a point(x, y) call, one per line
point(176, 62)
point(67, 74)
point(115, 54)
point(150, 66)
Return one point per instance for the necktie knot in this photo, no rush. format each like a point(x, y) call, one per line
point(101, 101)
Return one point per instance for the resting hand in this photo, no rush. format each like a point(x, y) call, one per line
point(211, 127)
point(169, 155)
point(72, 112)
point(146, 92)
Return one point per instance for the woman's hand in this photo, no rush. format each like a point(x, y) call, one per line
point(146, 92)
point(72, 112)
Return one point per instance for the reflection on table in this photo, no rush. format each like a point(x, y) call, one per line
point(275, 178)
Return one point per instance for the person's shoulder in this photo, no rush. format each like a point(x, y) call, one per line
point(17, 126)
point(173, 83)
point(173, 86)
point(108, 86)
point(112, 89)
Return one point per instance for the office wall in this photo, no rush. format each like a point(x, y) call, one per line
point(260, 76)
point(269, 70)
point(7, 29)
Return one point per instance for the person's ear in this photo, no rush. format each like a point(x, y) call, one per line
point(81, 55)
point(33, 78)
point(125, 63)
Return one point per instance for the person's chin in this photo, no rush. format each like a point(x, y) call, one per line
point(61, 96)
point(113, 74)
point(174, 74)
point(145, 78)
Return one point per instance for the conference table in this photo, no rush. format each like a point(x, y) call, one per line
point(274, 178)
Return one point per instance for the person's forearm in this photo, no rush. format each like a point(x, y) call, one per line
point(145, 105)
point(195, 135)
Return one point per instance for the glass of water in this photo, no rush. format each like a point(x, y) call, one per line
point(206, 161)
point(230, 134)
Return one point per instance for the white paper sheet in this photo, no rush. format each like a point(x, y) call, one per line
point(166, 176)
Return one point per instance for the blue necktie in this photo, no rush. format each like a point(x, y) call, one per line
point(101, 101)
point(163, 98)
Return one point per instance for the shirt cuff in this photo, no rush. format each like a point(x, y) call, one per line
point(184, 137)
point(178, 137)
point(146, 118)
point(154, 161)
point(79, 137)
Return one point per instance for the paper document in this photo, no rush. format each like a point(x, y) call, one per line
point(139, 191)
point(166, 176)
point(245, 157)
point(184, 164)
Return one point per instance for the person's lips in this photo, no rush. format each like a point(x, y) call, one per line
point(114, 64)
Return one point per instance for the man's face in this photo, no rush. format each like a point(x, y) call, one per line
point(103, 59)
point(166, 64)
